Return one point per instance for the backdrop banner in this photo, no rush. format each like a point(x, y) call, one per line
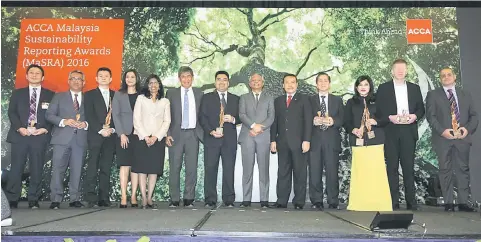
point(344, 42)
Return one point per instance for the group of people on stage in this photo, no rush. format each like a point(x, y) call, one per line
point(138, 121)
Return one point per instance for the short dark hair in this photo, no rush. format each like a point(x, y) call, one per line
point(35, 66)
point(288, 75)
point(323, 74)
point(145, 89)
point(399, 61)
point(370, 94)
point(222, 72)
point(184, 69)
point(104, 69)
point(124, 86)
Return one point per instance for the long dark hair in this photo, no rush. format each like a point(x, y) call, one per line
point(371, 97)
point(124, 86)
point(145, 89)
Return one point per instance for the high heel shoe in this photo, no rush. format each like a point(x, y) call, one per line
point(134, 205)
point(123, 206)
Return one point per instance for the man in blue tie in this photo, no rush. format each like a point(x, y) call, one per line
point(28, 135)
point(183, 137)
point(453, 119)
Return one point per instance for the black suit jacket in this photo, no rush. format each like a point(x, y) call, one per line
point(19, 110)
point(352, 119)
point(209, 119)
point(95, 114)
point(336, 111)
point(386, 105)
point(292, 125)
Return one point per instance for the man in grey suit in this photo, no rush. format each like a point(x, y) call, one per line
point(449, 106)
point(69, 139)
point(256, 112)
point(183, 137)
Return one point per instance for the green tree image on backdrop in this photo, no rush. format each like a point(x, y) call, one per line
point(346, 43)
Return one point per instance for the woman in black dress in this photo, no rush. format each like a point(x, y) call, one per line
point(151, 123)
point(122, 112)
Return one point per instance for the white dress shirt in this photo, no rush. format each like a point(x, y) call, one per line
point(106, 96)
point(30, 88)
point(401, 91)
point(292, 96)
point(192, 109)
point(79, 99)
point(257, 100)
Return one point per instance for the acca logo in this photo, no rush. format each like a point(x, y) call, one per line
point(419, 31)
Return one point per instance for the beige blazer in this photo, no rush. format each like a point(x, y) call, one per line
point(151, 118)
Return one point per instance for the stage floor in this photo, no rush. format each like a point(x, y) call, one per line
point(252, 222)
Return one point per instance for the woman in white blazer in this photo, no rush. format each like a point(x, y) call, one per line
point(151, 123)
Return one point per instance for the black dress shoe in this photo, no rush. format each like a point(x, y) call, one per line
point(298, 207)
point(334, 206)
point(210, 205)
point(229, 204)
point(123, 206)
point(173, 204)
point(55, 205)
point(278, 205)
point(33, 204)
point(92, 205)
point(76, 204)
point(13, 204)
point(465, 208)
point(318, 206)
point(103, 203)
point(245, 204)
point(411, 207)
point(189, 203)
point(264, 204)
point(395, 206)
point(449, 207)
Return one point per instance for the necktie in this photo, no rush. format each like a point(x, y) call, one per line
point(222, 100)
point(289, 99)
point(323, 111)
point(257, 99)
point(33, 107)
point(185, 112)
point(454, 104)
point(75, 103)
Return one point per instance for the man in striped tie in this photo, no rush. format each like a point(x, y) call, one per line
point(28, 135)
point(449, 106)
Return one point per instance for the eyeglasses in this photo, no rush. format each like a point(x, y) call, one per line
point(75, 79)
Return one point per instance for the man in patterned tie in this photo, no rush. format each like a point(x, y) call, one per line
point(28, 135)
point(183, 137)
point(445, 106)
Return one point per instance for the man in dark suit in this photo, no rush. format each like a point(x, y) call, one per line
point(183, 137)
point(69, 140)
point(28, 135)
point(256, 111)
point(291, 136)
point(445, 106)
point(101, 142)
point(399, 107)
point(328, 113)
point(219, 143)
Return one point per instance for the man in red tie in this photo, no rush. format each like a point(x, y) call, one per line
point(290, 136)
point(28, 136)
point(451, 114)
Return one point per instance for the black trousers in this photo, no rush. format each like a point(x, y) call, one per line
point(33, 148)
point(211, 166)
point(291, 161)
point(99, 165)
point(399, 148)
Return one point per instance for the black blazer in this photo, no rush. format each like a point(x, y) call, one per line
point(336, 111)
point(386, 105)
point(19, 110)
point(209, 119)
point(352, 119)
point(95, 114)
point(292, 125)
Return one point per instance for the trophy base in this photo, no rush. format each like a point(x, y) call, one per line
point(359, 142)
point(371, 135)
point(219, 131)
point(106, 126)
point(457, 134)
point(31, 130)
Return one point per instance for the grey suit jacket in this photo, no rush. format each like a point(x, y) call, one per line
point(61, 107)
point(175, 99)
point(438, 114)
point(262, 114)
point(122, 114)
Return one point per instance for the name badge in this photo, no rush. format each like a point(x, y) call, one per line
point(45, 105)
